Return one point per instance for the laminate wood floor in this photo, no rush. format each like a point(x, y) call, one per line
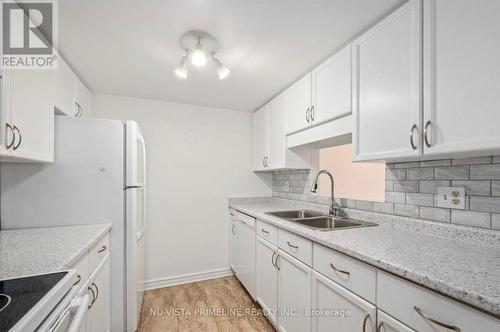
point(218, 305)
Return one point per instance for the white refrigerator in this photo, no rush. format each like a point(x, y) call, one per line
point(99, 176)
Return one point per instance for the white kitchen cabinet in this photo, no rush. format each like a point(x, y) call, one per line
point(99, 315)
point(71, 96)
point(260, 136)
point(270, 150)
point(386, 323)
point(294, 294)
point(428, 311)
point(28, 113)
point(331, 87)
point(233, 248)
point(337, 309)
point(298, 104)
point(386, 93)
point(244, 250)
point(462, 76)
point(267, 278)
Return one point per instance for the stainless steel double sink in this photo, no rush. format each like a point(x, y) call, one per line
point(319, 221)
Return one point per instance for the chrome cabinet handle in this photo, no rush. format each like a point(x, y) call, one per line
point(412, 143)
point(232, 229)
point(97, 291)
point(312, 113)
point(426, 134)
point(102, 249)
point(81, 110)
point(8, 126)
point(272, 259)
point(291, 245)
point(77, 109)
point(79, 277)
point(264, 161)
point(364, 322)
point(93, 297)
point(379, 327)
point(307, 115)
point(338, 270)
point(20, 137)
point(276, 262)
point(264, 231)
point(432, 320)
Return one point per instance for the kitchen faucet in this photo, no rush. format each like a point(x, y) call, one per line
point(335, 209)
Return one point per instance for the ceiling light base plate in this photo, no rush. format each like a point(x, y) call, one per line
point(190, 39)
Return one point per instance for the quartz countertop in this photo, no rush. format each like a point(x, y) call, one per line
point(460, 269)
point(30, 251)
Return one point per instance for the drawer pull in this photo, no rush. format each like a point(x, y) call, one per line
point(79, 277)
point(291, 245)
point(277, 266)
point(432, 320)
point(338, 270)
point(102, 249)
point(379, 327)
point(264, 231)
point(97, 292)
point(272, 259)
point(93, 297)
point(364, 322)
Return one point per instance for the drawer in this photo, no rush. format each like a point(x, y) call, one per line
point(358, 277)
point(402, 300)
point(244, 218)
point(98, 252)
point(267, 232)
point(82, 268)
point(296, 246)
point(386, 323)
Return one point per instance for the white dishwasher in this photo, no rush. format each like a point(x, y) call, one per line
point(244, 250)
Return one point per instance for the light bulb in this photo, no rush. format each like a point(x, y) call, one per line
point(222, 71)
point(181, 70)
point(198, 57)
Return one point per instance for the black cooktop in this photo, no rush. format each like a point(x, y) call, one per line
point(18, 296)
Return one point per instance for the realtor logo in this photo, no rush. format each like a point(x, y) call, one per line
point(29, 31)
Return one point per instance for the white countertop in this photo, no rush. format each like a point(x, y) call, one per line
point(30, 251)
point(463, 270)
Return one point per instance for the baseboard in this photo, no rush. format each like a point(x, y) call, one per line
point(186, 278)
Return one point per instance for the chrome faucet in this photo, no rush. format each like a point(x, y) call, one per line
point(335, 209)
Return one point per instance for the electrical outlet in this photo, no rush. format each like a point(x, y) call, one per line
point(286, 186)
point(451, 197)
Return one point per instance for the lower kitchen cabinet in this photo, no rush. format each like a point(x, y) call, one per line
point(267, 278)
point(386, 323)
point(294, 294)
point(334, 308)
point(99, 315)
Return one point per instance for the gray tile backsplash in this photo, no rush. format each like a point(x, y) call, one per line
point(411, 190)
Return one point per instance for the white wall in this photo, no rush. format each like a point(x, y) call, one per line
point(197, 158)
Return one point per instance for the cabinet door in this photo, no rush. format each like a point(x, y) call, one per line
point(233, 254)
point(337, 309)
point(260, 132)
point(246, 251)
point(462, 75)
point(5, 134)
point(267, 277)
point(294, 294)
point(32, 114)
point(298, 104)
point(332, 87)
point(100, 312)
point(64, 89)
point(386, 323)
point(387, 87)
point(277, 134)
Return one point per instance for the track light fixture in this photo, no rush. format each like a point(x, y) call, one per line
point(197, 45)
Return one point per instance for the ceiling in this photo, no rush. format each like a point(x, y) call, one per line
point(130, 47)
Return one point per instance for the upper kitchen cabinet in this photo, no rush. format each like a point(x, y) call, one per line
point(298, 105)
point(462, 76)
point(260, 136)
point(331, 88)
point(386, 92)
point(71, 96)
point(28, 115)
point(270, 150)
